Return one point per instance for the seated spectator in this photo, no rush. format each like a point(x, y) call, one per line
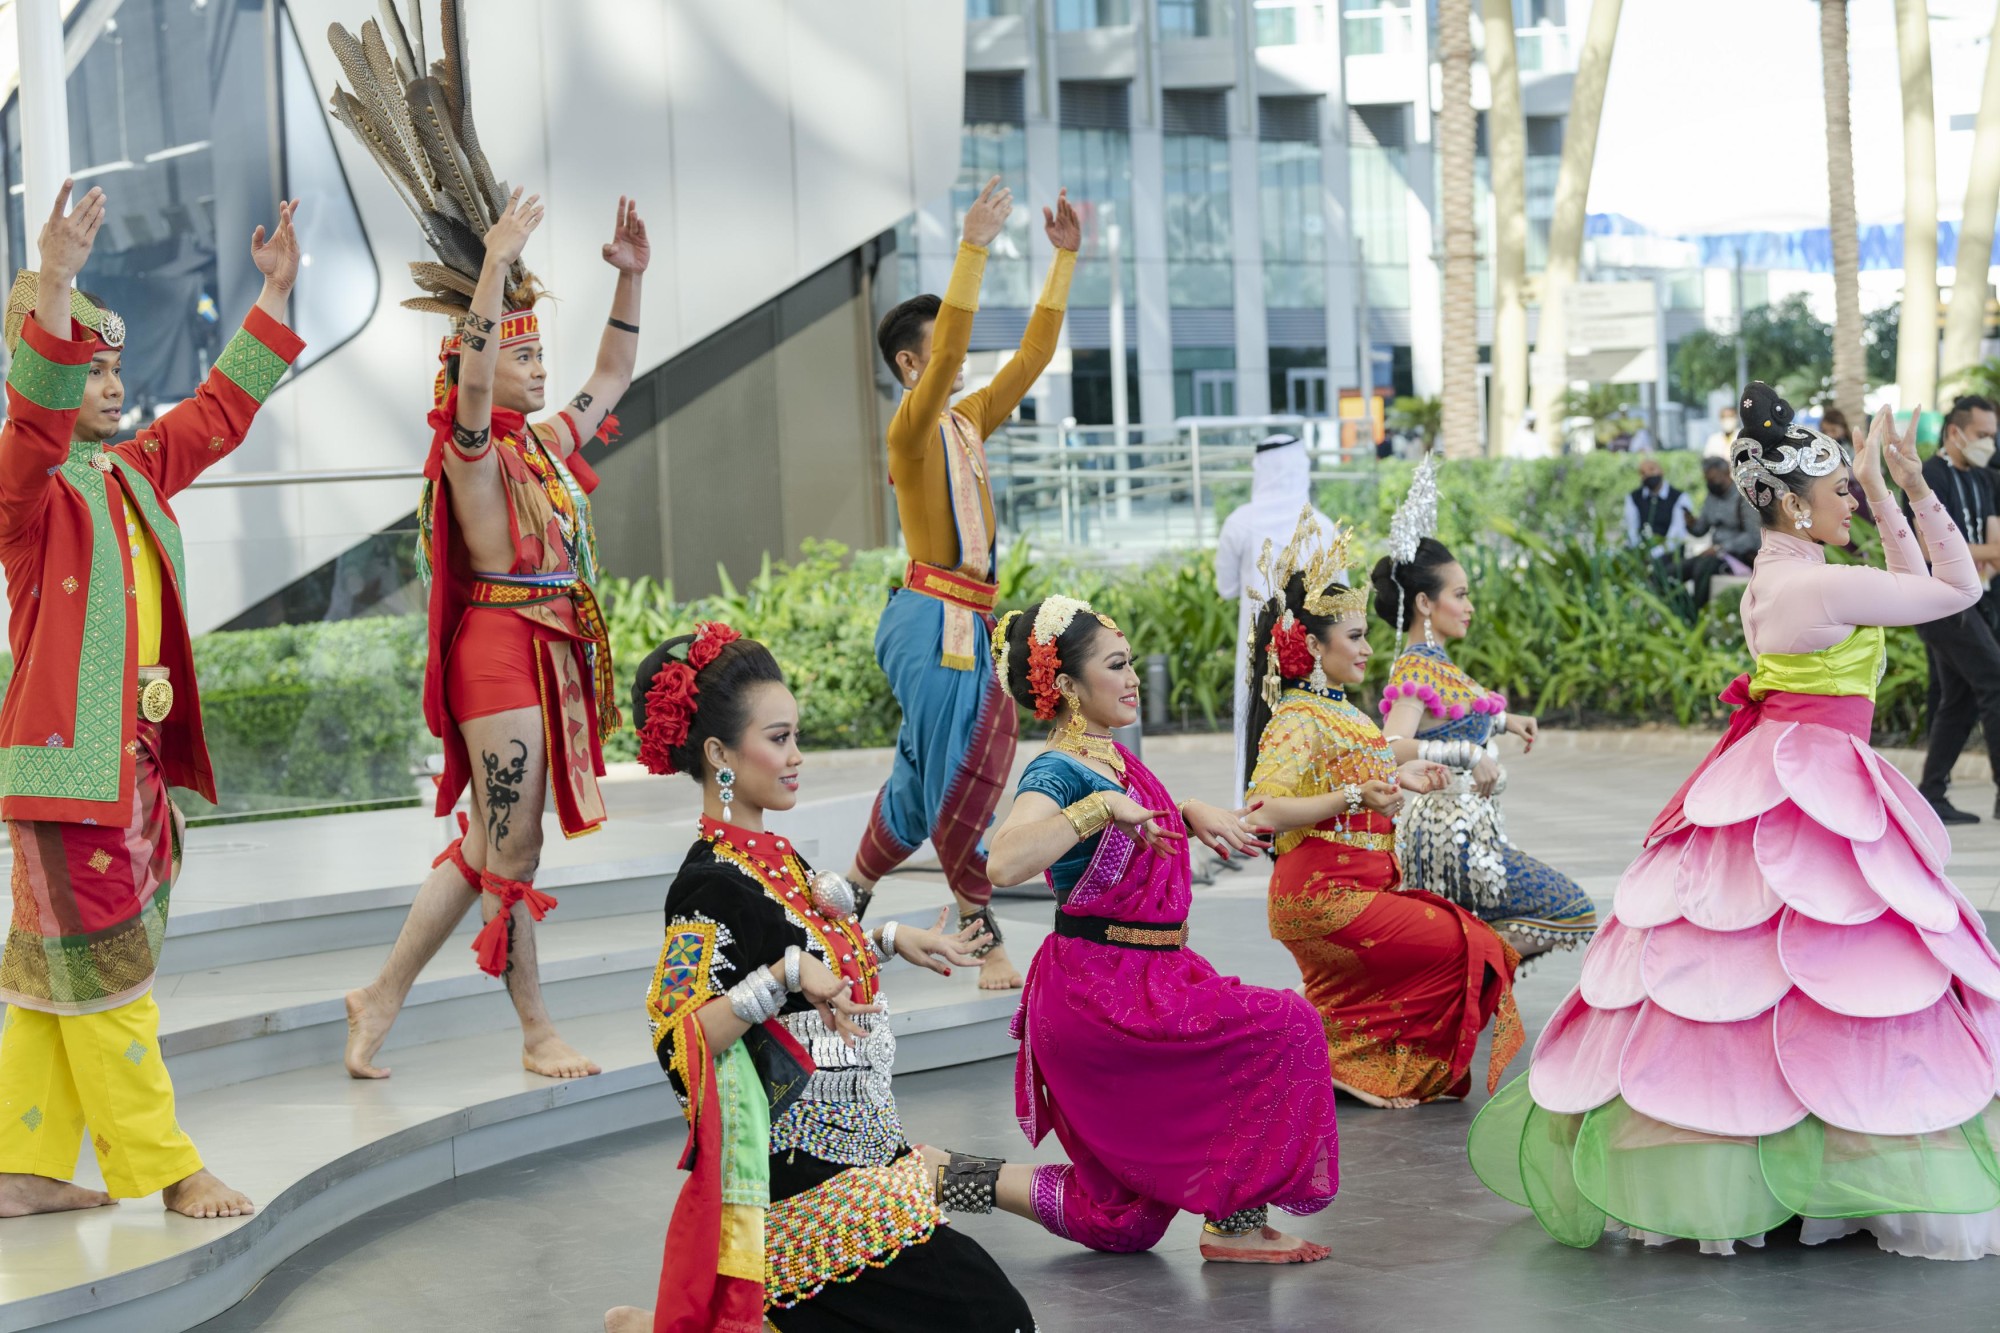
point(1657, 515)
point(1732, 526)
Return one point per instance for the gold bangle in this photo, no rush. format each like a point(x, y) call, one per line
point(1088, 816)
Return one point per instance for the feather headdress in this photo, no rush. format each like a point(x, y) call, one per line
point(417, 124)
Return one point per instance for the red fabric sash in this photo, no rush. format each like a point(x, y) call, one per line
point(495, 940)
point(1852, 713)
point(693, 1296)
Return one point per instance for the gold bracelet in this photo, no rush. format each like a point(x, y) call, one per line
point(1088, 816)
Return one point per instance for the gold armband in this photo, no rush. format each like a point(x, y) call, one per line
point(966, 273)
point(1088, 816)
point(1055, 289)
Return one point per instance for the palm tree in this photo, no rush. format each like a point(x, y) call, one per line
point(1917, 350)
point(1586, 105)
point(1459, 379)
point(1507, 151)
point(1849, 353)
point(1965, 317)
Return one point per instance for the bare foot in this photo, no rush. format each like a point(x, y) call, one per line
point(367, 1029)
point(202, 1195)
point(1386, 1103)
point(549, 1055)
point(24, 1195)
point(997, 971)
point(628, 1319)
point(1266, 1246)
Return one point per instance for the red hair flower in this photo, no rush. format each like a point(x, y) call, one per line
point(1288, 645)
point(710, 638)
point(670, 704)
point(1043, 664)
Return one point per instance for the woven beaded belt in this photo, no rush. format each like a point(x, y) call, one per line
point(511, 590)
point(1160, 935)
point(155, 693)
point(1357, 838)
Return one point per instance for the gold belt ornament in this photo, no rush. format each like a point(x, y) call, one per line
point(1139, 935)
point(156, 693)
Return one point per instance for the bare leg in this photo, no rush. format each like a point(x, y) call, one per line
point(202, 1195)
point(25, 1195)
point(996, 970)
point(628, 1319)
point(440, 905)
point(510, 778)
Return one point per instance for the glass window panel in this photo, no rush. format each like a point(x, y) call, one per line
point(1097, 168)
point(986, 151)
point(1376, 27)
point(1290, 22)
point(156, 112)
point(1379, 201)
point(1198, 221)
point(991, 9)
point(1077, 15)
point(1189, 18)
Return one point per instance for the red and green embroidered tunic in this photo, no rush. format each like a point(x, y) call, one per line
point(68, 723)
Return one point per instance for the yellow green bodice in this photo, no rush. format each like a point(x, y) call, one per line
point(1852, 666)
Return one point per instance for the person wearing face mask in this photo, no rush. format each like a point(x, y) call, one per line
point(1727, 518)
point(1723, 440)
point(1656, 514)
point(1964, 655)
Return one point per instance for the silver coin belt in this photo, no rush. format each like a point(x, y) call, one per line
point(847, 1113)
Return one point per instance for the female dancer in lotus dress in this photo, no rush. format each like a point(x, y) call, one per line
point(1172, 1088)
point(1792, 1012)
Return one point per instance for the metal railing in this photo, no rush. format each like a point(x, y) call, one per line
point(1092, 490)
point(306, 477)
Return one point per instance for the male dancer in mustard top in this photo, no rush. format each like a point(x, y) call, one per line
point(956, 745)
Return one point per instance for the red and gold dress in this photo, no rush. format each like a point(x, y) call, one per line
point(1403, 979)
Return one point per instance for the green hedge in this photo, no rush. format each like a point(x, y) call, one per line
point(1569, 624)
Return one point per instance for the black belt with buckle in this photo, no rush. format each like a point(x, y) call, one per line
point(1157, 935)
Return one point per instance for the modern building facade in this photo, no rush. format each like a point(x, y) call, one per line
point(1268, 167)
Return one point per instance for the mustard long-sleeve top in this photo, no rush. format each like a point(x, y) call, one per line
point(916, 440)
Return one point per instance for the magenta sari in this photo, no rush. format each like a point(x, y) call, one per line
point(1172, 1088)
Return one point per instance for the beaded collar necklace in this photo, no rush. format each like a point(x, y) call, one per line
point(772, 862)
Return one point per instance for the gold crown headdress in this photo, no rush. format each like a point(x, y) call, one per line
point(417, 125)
point(1321, 557)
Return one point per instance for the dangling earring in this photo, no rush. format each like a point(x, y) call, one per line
point(726, 777)
point(1072, 723)
point(1429, 637)
point(1317, 680)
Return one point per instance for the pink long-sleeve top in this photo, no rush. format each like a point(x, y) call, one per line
point(1797, 603)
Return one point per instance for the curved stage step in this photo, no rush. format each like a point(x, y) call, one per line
point(254, 1025)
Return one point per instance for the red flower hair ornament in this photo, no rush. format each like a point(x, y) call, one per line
point(674, 695)
point(1288, 645)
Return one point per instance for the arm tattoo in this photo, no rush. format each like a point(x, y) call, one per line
point(622, 326)
point(473, 341)
point(468, 443)
point(472, 330)
point(478, 322)
point(504, 781)
point(582, 402)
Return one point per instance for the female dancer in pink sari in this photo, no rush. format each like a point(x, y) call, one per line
point(1792, 1011)
point(1171, 1087)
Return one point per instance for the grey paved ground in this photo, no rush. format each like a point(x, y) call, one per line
point(548, 1243)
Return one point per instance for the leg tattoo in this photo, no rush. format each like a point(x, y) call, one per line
point(503, 791)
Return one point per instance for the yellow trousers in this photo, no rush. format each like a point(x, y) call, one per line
point(61, 1073)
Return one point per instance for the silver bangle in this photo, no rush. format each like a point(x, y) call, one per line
point(1500, 723)
point(751, 999)
point(885, 940)
point(792, 955)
